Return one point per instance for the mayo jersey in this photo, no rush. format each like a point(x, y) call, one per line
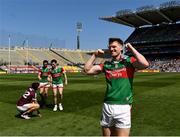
point(57, 74)
point(44, 73)
point(119, 78)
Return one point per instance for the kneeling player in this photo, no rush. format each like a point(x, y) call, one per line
point(28, 102)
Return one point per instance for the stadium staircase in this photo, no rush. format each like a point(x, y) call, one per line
point(81, 57)
point(64, 57)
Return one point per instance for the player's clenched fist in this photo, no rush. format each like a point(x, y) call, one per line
point(128, 46)
point(98, 52)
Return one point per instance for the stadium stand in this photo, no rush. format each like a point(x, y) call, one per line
point(156, 33)
point(25, 60)
point(15, 57)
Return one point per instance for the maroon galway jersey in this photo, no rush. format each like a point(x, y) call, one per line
point(27, 97)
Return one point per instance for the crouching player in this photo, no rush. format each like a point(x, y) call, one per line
point(28, 102)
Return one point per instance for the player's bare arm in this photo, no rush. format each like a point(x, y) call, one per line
point(39, 75)
point(89, 67)
point(50, 80)
point(65, 78)
point(141, 62)
point(38, 112)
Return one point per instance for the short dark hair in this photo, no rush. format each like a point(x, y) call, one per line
point(55, 61)
point(45, 61)
point(35, 85)
point(111, 40)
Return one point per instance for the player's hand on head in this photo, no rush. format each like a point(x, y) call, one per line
point(99, 52)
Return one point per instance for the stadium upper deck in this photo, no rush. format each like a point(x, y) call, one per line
point(156, 34)
point(157, 30)
point(167, 13)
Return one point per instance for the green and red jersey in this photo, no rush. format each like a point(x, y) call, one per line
point(57, 74)
point(44, 73)
point(119, 79)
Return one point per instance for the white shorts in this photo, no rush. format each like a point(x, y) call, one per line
point(118, 116)
point(42, 84)
point(24, 107)
point(57, 85)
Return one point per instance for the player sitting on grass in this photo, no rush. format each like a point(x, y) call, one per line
point(28, 102)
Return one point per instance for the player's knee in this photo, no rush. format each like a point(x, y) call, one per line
point(41, 92)
point(60, 92)
point(37, 106)
point(61, 95)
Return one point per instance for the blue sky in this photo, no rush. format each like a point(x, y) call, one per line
point(56, 19)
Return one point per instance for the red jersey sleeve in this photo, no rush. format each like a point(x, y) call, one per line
point(62, 71)
point(133, 59)
point(101, 66)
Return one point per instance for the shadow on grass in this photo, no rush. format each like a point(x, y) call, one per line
point(79, 102)
point(30, 115)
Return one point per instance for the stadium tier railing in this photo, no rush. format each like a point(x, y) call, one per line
point(159, 33)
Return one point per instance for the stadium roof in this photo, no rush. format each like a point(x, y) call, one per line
point(167, 12)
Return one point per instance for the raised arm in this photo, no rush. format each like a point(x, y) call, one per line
point(141, 62)
point(89, 67)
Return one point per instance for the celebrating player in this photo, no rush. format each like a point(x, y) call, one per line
point(43, 75)
point(119, 73)
point(28, 102)
point(57, 74)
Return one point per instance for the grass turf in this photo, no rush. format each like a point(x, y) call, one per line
point(156, 107)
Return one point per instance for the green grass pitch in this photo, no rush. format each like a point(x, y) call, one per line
point(156, 107)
